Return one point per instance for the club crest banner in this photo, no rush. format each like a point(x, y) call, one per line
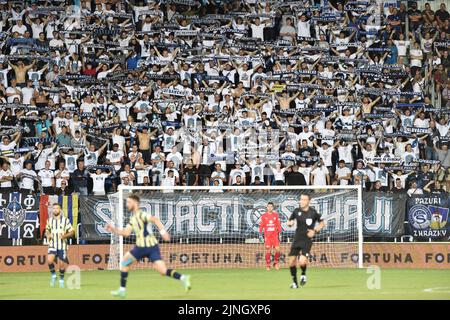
point(428, 216)
point(19, 218)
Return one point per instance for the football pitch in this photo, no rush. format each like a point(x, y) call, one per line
point(236, 284)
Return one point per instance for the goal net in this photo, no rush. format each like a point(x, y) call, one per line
point(218, 227)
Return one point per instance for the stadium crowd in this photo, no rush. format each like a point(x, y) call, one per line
point(180, 92)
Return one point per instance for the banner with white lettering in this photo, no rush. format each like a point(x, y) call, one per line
point(383, 214)
point(428, 216)
point(95, 213)
point(231, 215)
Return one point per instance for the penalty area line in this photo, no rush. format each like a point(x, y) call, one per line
point(437, 290)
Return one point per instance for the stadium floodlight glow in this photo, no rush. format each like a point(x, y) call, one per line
point(217, 227)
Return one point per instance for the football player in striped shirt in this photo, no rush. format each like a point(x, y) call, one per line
point(57, 231)
point(141, 223)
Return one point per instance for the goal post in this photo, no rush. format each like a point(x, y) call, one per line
point(217, 227)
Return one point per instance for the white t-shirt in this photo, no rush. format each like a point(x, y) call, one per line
point(278, 175)
point(303, 29)
point(425, 123)
point(120, 140)
point(141, 173)
point(177, 158)
point(27, 181)
point(59, 123)
point(257, 171)
point(16, 165)
point(343, 172)
point(325, 155)
point(159, 165)
point(306, 173)
point(71, 162)
point(27, 95)
point(218, 176)
point(236, 172)
point(190, 121)
point(91, 158)
point(130, 175)
point(362, 174)
point(37, 28)
point(169, 141)
point(7, 147)
point(245, 77)
point(19, 29)
point(124, 110)
point(258, 31)
point(443, 129)
point(41, 158)
point(345, 153)
point(381, 175)
point(65, 174)
point(168, 182)
point(6, 173)
point(46, 177)
point(98, 183)
point(402, 46)
point(13, 91)
point(88, 107)
point(115, 156)
point(402, 178)
point(320, 176)
point(416, 62)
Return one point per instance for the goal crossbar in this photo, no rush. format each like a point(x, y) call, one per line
point(122, 190)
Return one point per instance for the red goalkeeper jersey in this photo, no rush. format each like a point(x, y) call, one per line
point(270, 224)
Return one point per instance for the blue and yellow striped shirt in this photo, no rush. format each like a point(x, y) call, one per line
point(58, 226)
point(143, 229)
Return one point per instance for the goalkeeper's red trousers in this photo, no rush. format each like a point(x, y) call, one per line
point(272, 242)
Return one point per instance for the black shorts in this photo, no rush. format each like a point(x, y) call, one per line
point(301, 248)
point(151, 253)
point(59, 254)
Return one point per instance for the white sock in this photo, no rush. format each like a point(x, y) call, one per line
point(122, 289)
point(182, 277)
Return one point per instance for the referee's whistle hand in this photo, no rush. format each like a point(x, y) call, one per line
point(310, 233)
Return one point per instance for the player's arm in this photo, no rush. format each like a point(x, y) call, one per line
point(67, 235)
point(160, 226)
point(48, 231)
point(121, 232)
point(291, 220)
point(319, 226)
point(262, 224)
point(69, 232)
point(279, 226)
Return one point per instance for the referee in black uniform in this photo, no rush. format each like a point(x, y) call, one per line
point(306, 218)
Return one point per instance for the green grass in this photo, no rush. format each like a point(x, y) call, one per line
point(237, 284)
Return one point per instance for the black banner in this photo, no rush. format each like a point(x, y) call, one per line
point(383, 214)
point(236, 216)
point(95, 213)
point(19, 216)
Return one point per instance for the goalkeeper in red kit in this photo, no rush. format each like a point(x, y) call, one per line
point(270, 226)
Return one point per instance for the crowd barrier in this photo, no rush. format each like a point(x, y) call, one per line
point(95, 257)
point(385, 215)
